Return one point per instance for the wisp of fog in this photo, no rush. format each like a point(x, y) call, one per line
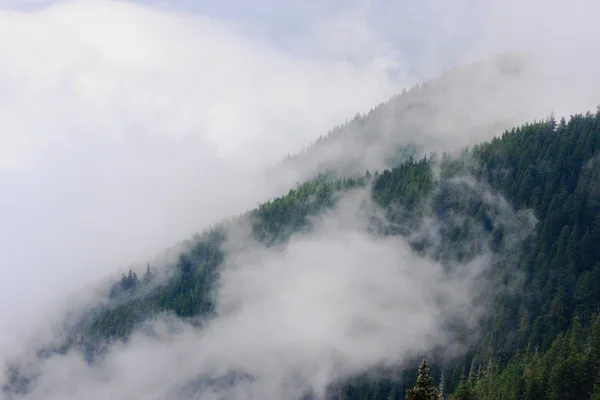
point(333, 302)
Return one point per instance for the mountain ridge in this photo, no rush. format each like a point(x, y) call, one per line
point(548, 167)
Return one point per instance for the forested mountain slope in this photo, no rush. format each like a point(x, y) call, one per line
point(461, 107)
point(529, 200)
point(544, 339)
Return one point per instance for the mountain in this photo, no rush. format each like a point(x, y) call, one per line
point(501, 240)
point(460, 108)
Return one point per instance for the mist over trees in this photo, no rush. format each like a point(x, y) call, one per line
point(528, 200)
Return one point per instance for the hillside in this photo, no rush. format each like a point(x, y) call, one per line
point(527, 203)
point(460, 108)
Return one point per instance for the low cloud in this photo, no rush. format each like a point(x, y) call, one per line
point(334, 302)
point(126, 128)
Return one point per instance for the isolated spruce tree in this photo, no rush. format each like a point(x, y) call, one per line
point(147, 275)
point(424, 389)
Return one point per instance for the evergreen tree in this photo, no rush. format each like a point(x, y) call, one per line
point(424, 388)
point(552, 170)
point(464, 392)
point(147, 275)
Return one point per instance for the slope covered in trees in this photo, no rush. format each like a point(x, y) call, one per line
point(541, 337)
point(541, 341)
point(456, 109)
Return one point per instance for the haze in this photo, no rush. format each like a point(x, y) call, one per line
point(128, 126)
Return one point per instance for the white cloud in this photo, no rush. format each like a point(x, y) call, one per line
point(332, 303)
point(125, 67)
point(124, 129)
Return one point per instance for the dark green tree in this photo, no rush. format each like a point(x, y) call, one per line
point(424, 388)
point(464, 392)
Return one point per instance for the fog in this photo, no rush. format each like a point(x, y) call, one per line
point(126, 127)
point(333, 303)
point(119, 142)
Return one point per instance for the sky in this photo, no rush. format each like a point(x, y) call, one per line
point(157, 124)
point(126, 126)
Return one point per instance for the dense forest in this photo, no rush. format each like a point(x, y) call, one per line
point(541, 336)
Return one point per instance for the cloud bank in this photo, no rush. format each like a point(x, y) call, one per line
point(332, 303)
point(124, 128)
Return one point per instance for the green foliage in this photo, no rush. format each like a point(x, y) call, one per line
point(406, 185)
point(189, 293)
point(544, 336)
point(464, 392)
point(568, 370)
point(541, 339)
point(274, 221)
point(424, 388)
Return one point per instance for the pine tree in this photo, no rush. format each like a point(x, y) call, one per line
point(392, 395)
point(596, 391)
point(464, 392)
point(148, 274)
point(472, 374)
point(424, 389)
